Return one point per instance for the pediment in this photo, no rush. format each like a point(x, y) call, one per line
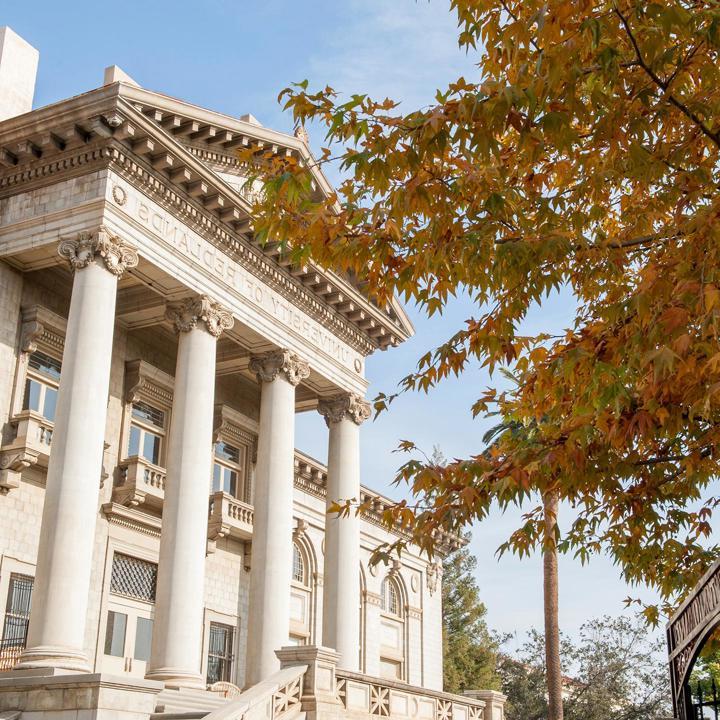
point(182, 150)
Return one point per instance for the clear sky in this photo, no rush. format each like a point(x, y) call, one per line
point(234, 56)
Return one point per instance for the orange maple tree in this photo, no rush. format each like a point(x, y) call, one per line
point(582, 157)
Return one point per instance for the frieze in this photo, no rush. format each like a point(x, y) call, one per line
point(253, 265)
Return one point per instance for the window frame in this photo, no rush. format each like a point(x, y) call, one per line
point(147, 428)
point(396, 657)
point(239, 468)
point(148, 385)
point(213, 616)
point(227, 657)
point(240, 432)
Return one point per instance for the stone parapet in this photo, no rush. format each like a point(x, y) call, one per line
point(42, 696)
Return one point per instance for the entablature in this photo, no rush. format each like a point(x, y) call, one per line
point(118, 126)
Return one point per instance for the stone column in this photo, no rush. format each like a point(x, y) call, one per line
point(56, 635)
point(175, 656)
point(278, 372)
point(341, 595)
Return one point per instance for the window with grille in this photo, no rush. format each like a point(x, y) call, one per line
point(147, 429)
point(133, 578)
point(220, 653)
point(298, 574)
point(17, 616)
point(41, 385)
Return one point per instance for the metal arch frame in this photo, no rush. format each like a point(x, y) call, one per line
point(687, 631)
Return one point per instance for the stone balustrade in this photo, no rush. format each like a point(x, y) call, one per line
point(331, 693)
point(229, 517)
point(279, 697)
point(140, 482)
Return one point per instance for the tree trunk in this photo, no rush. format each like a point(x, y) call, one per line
point(552, 629)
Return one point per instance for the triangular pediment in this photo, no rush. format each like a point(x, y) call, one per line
point(190, 151)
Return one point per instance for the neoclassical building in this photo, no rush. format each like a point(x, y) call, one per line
point(164, 548)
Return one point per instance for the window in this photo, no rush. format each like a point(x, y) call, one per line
point(17, 616)
point(133, 578)
point(298, 573)
point(392, 630)
point(147, 429)
point(115, 633)
point(227, 469)
point(220, 653)
point(389, 600)
point(143, 638)
point(41, 385)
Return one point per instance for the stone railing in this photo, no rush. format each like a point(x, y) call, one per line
point(30, 447)
point(229, 517)
point(138, 482)
point(331, 693)
point(277, 698)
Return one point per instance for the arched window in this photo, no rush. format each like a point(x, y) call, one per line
point(302, 600)
point(392, 629)
point(390, 598)
point(299, 574)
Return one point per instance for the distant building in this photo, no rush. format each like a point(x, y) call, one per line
point(159, 533)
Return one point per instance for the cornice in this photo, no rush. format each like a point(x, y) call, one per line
point(251, 258)
point(68, 136)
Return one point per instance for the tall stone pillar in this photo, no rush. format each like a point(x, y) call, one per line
point(175, 656)
point(279, 372)
point(341, 593)
point(56, 634)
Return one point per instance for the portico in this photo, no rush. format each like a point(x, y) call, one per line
point(163, 528)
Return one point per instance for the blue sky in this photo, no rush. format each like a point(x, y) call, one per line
point(234, 56)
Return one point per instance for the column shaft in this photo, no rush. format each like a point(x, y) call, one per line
point(271, 562)
point(341, 590)
point(176, 652)
point(56, 634)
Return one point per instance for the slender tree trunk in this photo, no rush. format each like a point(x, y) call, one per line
point(552, 629)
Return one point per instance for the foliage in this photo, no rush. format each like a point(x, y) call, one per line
point(614, 671)
point(469, 649)
point(582, 159)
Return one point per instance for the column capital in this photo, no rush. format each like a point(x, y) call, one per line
point(100, 245)
point(186, 314)
point(349, 405)
point(270, 364)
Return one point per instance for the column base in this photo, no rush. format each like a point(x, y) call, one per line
point(53, 657)
point(177, 678)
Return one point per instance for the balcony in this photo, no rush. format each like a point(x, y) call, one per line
point(31, 446)
point(229, 517)
point(140, 482)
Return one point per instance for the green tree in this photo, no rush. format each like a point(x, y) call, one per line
point(615, 670)
point(469, 649)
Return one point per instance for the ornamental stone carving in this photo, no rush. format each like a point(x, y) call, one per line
point(97, 246)
point(349, 405)
point(270, 364)
point(434, 576)
point(185, 315)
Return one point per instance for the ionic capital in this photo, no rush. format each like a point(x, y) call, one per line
point(98, 246)
point(185, 315)
point(270, 364)
point(349, 405)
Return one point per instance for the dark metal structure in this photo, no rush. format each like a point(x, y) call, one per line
point(688, 630)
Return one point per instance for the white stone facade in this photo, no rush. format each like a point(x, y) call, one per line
point(152, 360)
